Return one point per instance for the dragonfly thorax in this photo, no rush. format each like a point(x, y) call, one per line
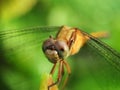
point(55, 50)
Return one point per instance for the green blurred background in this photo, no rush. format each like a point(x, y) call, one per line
point(90, 15)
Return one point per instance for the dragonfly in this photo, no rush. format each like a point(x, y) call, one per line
point(67, 42)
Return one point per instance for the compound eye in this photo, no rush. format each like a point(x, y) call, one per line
point(48, 44)
point(62, 48)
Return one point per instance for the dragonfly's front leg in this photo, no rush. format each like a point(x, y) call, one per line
point(59, 74)
point(68, 71)
point(53, 69)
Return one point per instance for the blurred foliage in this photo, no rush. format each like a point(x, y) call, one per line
point(12, 9)
point(23, 69)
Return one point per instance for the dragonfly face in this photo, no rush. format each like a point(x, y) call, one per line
point(55, 50)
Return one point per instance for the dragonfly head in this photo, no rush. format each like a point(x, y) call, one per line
point(55, 50)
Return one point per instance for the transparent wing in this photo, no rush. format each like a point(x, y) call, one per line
point(96, 67)
point(111, 55)
point(16, 39)
point(22, 62)
point(14, 33)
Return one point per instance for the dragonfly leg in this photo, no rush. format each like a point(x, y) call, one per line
point(69, 72)
point(53, 69)
point(59, 74)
